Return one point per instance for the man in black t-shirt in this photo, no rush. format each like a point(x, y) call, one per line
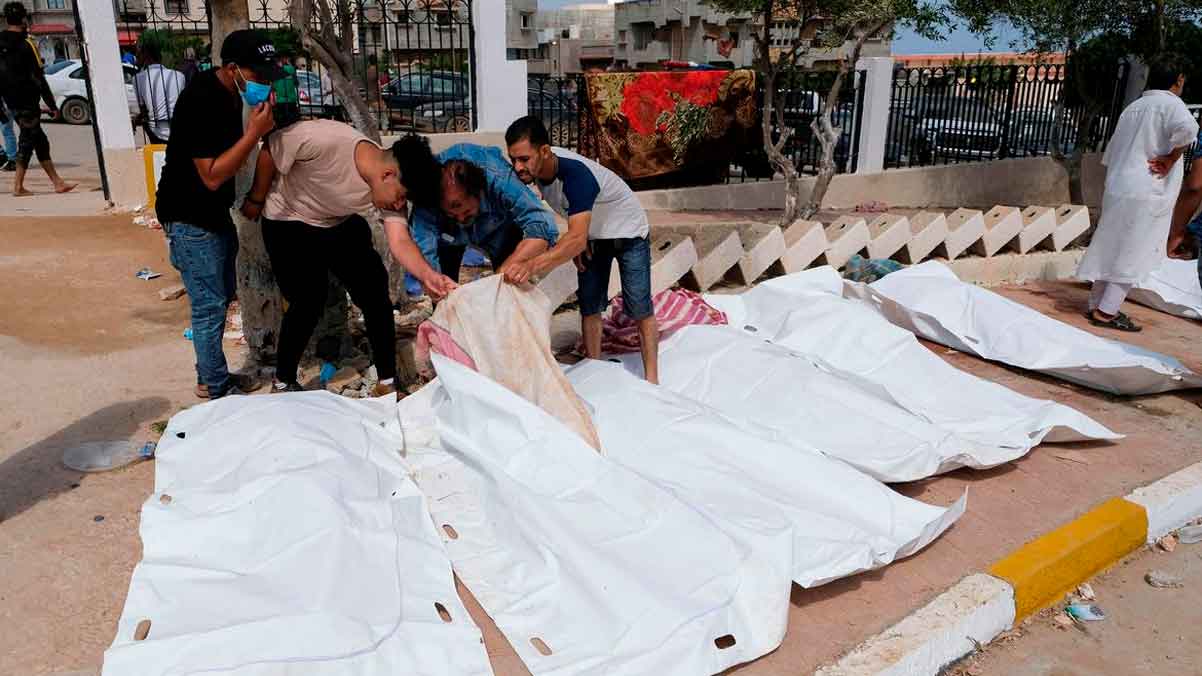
point(22, 83)
point(207, 148)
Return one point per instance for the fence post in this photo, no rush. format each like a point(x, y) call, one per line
point(500, 84)
point(878, 93)
point(114, 133)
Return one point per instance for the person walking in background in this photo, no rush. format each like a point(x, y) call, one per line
point(188, 65)
point(158, 89)
point(1143, 177)
point(207, 147)
point(10, 139)
point(287, 96)
point(22, 83)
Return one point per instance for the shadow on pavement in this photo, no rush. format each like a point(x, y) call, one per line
point(36, 472)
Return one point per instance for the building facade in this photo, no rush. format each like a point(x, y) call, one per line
point(648, 32)
point(53, 29)
point(573, 40)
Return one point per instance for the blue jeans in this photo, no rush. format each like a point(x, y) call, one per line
point(10, 138)
point(634, 267)
point(205, 259)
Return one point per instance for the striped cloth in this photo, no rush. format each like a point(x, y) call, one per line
point(674, 309)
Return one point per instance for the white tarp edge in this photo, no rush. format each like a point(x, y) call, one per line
point(688, 529)
point(929, 300)
point(1173, 288)
point(805, 313)
point(285, 536)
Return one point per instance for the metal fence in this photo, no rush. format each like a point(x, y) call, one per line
point(941, 115)
point(557, 101)
point(802, 97)
point(412, 59)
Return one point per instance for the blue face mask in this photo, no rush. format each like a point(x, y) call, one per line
point(255, 92)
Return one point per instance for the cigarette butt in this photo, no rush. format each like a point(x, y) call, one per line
point(142, 631)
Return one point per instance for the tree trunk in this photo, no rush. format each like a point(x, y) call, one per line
point(259, 298)
point(828, 136)
point(775, 151)
point(329, 40)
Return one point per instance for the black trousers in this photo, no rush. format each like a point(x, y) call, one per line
point(33, 140)
point(302, 256)
point(450, 257)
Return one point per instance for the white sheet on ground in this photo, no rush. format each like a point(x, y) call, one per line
point(293, 542)
point(931, 301)
point(1173, 288)
point(805, 313)
point(686, 529)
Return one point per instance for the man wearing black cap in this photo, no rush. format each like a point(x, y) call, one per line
point(207, 148)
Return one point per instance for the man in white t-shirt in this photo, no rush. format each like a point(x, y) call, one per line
point(605, 223)
point(157, 88)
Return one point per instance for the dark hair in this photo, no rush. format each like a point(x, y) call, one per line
point(465, 175)
point(1163, 71)
point(528, 128)
point(15, 14)
point(151, 51)
point(420, 172)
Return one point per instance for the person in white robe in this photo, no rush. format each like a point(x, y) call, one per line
point(1143, 177)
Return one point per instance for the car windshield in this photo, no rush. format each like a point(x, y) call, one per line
point(57, 66)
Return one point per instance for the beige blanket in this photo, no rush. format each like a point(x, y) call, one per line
point(504, 332)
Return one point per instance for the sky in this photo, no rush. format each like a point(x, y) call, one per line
point(906, 42)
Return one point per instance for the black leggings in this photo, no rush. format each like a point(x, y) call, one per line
point(302, 256)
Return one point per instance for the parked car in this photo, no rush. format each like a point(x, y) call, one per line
point(558, 111)
point(419, 88)
point(944, 127)
point(316, 96)
point(70, 90)
point(1032, 131)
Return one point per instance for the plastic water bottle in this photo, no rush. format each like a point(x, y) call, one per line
point(327, 371)
point(188, 333)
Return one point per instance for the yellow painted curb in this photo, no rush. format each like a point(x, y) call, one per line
point(1044, 569)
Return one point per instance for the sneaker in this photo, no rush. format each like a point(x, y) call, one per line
point(10, 165)
point(280, 386)
point(244, 382)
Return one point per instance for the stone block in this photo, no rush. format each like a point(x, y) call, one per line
point(345, 378)
point(172, 292)
point(672, 256)
point(847, 236)
point(1038, 225)
point(889, 233)
point(805, 242)
point(928, 229)
point(964, 229)
point(1002, 225)
point(559, 284)
point(718, 250)
point(763, 245)
point(1072, 221)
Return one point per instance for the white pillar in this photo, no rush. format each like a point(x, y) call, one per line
point(122, 165)
point(500, 96)
point(874, 125)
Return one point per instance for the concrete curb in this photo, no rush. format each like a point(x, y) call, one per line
point(980, 607)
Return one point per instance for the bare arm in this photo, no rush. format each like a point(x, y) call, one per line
point(520, 269)
point(407, 253)
point(1187, 205)
point(214, 171)
point(252, 206)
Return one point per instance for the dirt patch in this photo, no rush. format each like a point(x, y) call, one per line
point(70, 284)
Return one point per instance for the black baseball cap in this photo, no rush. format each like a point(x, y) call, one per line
point(251, 49)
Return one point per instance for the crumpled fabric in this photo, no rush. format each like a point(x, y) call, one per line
point(674, 310)
point(504, 332)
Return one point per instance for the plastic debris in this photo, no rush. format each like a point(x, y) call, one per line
point(327, 372)
point(1162, 580)
point(1085, 591)
point(102, 456)
point(188, 333)
point(146, 274)
point(1086, 612)
point(1190, 535)
point(1168, 543)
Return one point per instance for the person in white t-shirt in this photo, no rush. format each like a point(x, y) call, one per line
point(157, 88)
point(605, 223)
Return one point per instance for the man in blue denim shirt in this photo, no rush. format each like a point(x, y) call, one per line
point(483, 204)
